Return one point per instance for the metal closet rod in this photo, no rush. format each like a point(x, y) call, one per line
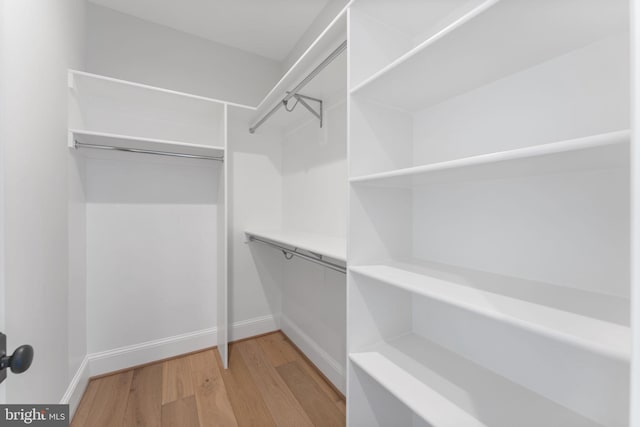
point(293, 92)
point(333, 266)
point(142, 151)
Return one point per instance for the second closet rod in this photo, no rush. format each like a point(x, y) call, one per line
point(333, 266)
point(143, 151)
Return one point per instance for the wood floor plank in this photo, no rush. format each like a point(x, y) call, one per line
point(284, 408)
point(249, 407)
point(110, 401)
point(214, 408)
point(319, 407)
point(145, 397)
point(81, 417)
point(176, 379)
point(311, 370)
point(180, 413)
point(276, 349)
point(269, 383)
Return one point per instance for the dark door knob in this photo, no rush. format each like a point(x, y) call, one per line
point(19, 361)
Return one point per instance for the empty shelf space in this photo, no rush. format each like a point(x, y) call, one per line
point(495, 39)
point(563, 314)
point(592, 152)
point(332, 247)
point(144, 144)
point(445, 389)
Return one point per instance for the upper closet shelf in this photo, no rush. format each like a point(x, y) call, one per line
point(327, 55)
point(138, 115)
point(578, 318)
point(592, 152)
point(331, 247)
point(496, 39)
point(98, 84)
point(108, 141)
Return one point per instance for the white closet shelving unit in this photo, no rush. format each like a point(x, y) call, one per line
point(108, 114)
point(488, 280)
point(109, 111)
point(299, 208)
point(328, 85)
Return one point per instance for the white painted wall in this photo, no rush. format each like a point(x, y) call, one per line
point(129, 48)
point(151, 248)
point(314, 169)
point(314, 180)
point(635, 214)
point(581, 93)
point(77, 293)
point(528, 228)
point(40, 40)
point(255, 184)
point(3, 386)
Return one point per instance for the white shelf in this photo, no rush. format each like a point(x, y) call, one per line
point(463, 288)
point(496, 39)
point(332, 247)
point(131, 142)
point(99, 83)
point(104, 105)
point(445, 389)
point(592, 152)
point(329, 85)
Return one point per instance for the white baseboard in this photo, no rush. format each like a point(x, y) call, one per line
point(150, 351)
point(77, 386)
point(138, 354)
point(252, 327)
point(329, 366)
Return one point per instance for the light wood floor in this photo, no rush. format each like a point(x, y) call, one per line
point(268, 383)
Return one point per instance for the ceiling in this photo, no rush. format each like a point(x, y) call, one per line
point(268, 28)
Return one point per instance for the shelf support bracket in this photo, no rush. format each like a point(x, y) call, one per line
point(333, 55)
point(302, 99)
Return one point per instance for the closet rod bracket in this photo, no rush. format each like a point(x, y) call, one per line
point(294, 92)
point(302, 99)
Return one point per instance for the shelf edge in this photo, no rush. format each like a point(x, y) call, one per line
point(425, 44)
point(156, 89)
point(619, 353)
point(576, 144)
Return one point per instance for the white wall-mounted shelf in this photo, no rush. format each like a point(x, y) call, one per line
point(495, 39)
point(329, 246)
point(489, 167)
point(592, 152)
point(592, 334)
point(99, 83)
point(329, 85)
point(136, 143)
point(445, 389)
point(100, 104)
